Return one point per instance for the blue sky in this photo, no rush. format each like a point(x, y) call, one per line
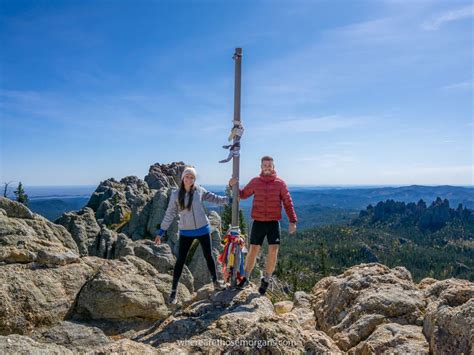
point(338, 92)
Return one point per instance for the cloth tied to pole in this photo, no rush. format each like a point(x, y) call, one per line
point(235, 134)
point(232, 239)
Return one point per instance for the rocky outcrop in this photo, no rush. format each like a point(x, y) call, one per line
point(19, 344)
point(97, 232)
point(83, 228)
point(449, 321)
point(76, 340)
point(32, 296)
point(351, 306)
point(371, 308)
point(26, 237)
point(76, 337)
point(43, 279)
point(283, 307)
point(165, 175)
point(161, 257)
point(104, 306)
point(123, 346)
point(96, 283)
point(14, 209)
point(393, 338)
point(237, 322)
point(133, 206)
point(114, 202)
point(128, 290)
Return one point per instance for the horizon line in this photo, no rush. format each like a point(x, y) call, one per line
point(293, 185)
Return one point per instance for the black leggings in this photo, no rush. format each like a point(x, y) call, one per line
point(184, 245)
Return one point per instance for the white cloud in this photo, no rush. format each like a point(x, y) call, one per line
point(465, 85)
point(330, 160)
point(81, 114)
point(311, 125)
point(214, 128)
point(416, 170)
point(450, 16)
point(374, 30)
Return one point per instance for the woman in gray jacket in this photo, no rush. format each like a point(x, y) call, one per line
point(187, 202)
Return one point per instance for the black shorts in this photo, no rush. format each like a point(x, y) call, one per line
point(260, 229)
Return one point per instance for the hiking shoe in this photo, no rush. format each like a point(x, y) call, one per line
point(263, 286)
point(172, 298)
point(219, 285)
point(243, 283)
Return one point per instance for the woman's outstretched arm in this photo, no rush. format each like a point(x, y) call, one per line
point(214, 198)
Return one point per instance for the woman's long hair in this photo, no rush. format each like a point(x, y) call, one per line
point(182, 194)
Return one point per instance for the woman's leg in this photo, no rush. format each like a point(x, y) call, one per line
point(206, 246)
point(184, 245)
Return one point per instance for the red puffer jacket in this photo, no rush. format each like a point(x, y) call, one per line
point(269, 193)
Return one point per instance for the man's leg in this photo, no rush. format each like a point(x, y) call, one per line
point(256, 239)
point(271, 259)
point(257, 234)
point(251, 259)
point(273, 237)
point(269, 268)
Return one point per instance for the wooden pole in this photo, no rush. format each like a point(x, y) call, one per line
point(236, 160)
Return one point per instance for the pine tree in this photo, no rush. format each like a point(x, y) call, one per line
point(323, 260)
point(20, 194)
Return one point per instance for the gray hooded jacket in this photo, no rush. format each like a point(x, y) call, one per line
point(196, 217)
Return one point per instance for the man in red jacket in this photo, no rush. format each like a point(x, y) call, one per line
point(269, 192)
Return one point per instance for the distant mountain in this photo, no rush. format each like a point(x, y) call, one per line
point(359, 198)
point(425, 218)
point(314, 206)
point(308, 215)
point(52, 201)
point(52, 208)
point(60, 191)
point(430, 240)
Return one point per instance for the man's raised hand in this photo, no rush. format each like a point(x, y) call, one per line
point(233, 181)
